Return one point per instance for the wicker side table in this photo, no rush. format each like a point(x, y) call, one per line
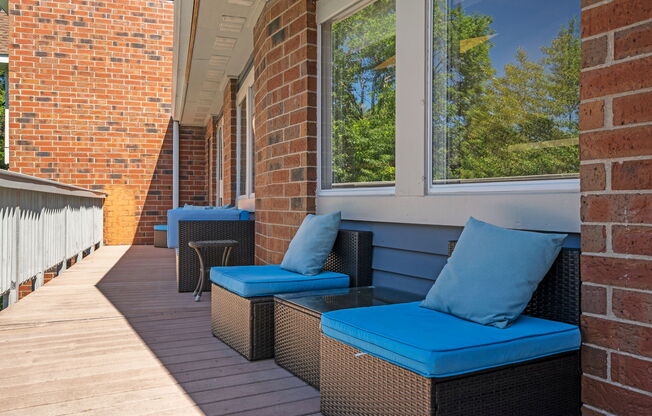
point(225, 245)
point(297, 317)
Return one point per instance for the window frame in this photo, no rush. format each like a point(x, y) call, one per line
point(246, 200)
point(544, 205)
point(219, 164)
point(337, 10)
point(476, 186)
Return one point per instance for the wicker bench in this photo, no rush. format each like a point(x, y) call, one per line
point(353, 382)
point(247, 323)
point(188, 265)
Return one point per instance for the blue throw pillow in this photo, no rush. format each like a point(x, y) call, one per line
point(312, 244)
point(492, 273)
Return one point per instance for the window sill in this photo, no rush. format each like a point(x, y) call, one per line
point(376, 191)
point(571, 185)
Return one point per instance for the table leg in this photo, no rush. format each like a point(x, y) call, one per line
point(200, 282)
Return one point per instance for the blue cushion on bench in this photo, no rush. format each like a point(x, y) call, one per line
point(162, 227)
point(435, 344)
point(250, 281)
point(180, 214)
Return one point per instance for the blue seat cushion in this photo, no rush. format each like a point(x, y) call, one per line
point(250, 281)
point(162, 227)
point(435, 344)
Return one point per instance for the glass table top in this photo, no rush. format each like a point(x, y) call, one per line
point(320, 301)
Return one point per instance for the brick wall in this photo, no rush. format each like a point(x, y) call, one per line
point(285, 101)
point(229, 141)
point(4, 33)
point(192, 166)
point(616, 181)
point(210, 142)
point(91, 93)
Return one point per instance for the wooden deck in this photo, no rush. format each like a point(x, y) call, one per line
point(111, 336)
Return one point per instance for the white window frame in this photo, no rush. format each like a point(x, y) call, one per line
point(545, 205)
point(480, 186)
point(219, 163)
point(246, 200)
point(332, 11)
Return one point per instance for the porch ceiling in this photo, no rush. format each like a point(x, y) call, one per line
point(213, 42)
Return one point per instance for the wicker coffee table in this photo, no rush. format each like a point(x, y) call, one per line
point(297, 317)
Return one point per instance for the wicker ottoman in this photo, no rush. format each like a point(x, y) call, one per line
point(355, 383)
point(161, 236)
point(296, 323)
point(246, 324)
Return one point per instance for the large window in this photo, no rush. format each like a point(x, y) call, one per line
point(505, 90)
point(358, 97)
point(245, 143)
point(219, 178)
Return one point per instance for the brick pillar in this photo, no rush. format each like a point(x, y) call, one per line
point(211, 152)
point(285, 62)
point(616, 180)
point(229, 141)
point(192, 166)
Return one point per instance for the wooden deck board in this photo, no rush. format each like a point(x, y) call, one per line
point(112, 336)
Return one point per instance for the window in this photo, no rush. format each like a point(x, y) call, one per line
point(358, 97)
point(245, 142)
point(219, 179)
point(505, 90)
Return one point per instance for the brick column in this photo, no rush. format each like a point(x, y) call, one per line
point(192, 166)
point(211, 152)
point(616, 180)
point(229, 141)
point(285, 88)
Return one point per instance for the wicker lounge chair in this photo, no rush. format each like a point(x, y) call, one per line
point(354, 382)
point(247, 323)
point(188, 266)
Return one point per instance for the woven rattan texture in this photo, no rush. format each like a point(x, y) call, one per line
point(246, 325)
point(351, 255)
point(558, 296)
point(160, 238)
point(188, 263)
point(366, 385)
point(297, 338)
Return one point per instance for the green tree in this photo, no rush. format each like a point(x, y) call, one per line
point(2, 122)
point(363, 95)
point(522, 123)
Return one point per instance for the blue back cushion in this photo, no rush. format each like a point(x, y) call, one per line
point(312, 244)
point(492, 273)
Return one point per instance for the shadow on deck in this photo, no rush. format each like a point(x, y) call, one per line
point(112, 336)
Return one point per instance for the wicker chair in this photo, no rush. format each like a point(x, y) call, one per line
point(360, 384)
point(247, 324)
point(187, 261)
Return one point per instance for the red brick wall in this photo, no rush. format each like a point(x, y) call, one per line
point(211, 152)
point(229, 141)
point(91, 97)
point(192, 166)
point(285, 62)
point(616, 180)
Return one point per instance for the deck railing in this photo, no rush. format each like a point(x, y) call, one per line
point(43, 225)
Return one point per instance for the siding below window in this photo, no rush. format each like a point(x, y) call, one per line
point(409, 257)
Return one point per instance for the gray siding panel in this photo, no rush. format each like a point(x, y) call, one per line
point(409, 257)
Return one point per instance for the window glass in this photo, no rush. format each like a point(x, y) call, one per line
point(242, 147)
point(359, 85)
point(505, 90)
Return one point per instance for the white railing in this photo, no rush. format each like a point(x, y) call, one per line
point(43, 224)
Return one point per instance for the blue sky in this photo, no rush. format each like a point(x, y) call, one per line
point(528, 24)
